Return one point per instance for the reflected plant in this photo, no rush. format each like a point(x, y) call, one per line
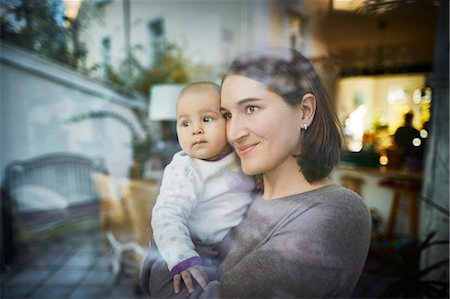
point(403, 267)
point(132, 76)
point(380, 7)
point(41, 27)
point(141, 139)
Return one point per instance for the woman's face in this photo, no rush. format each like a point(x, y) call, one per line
point(261, 126)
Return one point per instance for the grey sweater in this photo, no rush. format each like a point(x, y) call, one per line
point(308, 245)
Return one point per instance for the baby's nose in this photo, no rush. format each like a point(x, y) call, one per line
point(197, 131)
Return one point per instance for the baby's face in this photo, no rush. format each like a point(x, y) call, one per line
point(200, 125)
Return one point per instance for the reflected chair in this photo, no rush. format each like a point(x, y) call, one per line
point(403, 189)
point(50, 197)
point(126, 207)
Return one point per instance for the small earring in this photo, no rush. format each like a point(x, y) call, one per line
point(305, 127)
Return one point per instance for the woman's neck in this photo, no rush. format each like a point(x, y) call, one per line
point(286, 181)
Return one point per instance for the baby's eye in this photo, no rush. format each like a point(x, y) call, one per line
point(226, 115)
point(250, 109)
point(185, 124)
point(207, 119)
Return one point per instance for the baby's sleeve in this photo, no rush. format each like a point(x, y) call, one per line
point(177, 198)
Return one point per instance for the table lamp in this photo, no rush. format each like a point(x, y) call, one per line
point(163, 99)
point(162, 109)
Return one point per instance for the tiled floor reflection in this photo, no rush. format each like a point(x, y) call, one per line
point(76, 267)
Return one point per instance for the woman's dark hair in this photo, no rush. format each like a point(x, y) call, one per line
point(289, 74)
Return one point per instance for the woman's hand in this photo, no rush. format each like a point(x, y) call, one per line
point(197, 272)
point(206, 252)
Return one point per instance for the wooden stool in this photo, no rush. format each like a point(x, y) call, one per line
point(403, 189)
point(352, 183)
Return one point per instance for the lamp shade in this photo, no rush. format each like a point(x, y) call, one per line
point(163, 99)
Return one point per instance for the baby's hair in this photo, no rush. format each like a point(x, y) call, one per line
point(201, 85)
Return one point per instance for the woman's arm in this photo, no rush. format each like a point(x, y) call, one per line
point(160, 285)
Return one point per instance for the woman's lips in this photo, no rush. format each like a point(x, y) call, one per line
point(243, 150)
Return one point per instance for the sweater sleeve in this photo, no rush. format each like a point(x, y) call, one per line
point(317, 255)
point(177, 198)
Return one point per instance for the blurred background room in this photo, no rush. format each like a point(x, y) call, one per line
point(87, 95)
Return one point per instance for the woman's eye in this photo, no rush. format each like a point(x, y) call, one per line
point(250, 109)
point(207, 119)
point(226, 115)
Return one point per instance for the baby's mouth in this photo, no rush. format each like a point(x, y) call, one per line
point(199, 142)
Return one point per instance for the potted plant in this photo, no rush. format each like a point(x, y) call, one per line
point(399, 265)
point(132, 77)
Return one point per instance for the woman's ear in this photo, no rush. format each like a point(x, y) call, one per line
point(308, 107)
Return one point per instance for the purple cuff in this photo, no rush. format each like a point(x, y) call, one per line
point(195, 260)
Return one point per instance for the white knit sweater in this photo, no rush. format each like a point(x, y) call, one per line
point(199, 202)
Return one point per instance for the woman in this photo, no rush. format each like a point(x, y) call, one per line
point(303, 236)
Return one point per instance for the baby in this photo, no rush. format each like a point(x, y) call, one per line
point(203, 193)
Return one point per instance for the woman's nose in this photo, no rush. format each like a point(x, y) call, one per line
point(236, 130)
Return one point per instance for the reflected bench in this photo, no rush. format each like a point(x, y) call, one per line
point(48, 195)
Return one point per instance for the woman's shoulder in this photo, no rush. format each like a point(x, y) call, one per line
point(334, 194)
point(338, 198)
point(335, 213)
point(331, 194)
point(331, 203)
point(342, 212)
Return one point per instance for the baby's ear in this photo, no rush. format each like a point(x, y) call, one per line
point(308, 107)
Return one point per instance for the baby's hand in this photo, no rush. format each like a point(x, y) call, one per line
point(197, 272)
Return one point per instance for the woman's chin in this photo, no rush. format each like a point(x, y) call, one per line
point(250, 170)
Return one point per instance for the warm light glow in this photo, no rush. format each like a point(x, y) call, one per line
point(72, 8)
point(424, 133)
point(416, 142)
point(375, 91)
point(417, 96)
point(383, 160)
point(354, 128)
point(355, 146)
point(347, 4)
point(396, 94)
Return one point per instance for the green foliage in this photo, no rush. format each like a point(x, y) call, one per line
point(403, 266)
point(132, 76)
point(39, 27)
